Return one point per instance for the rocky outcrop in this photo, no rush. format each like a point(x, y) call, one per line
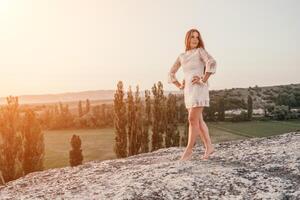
point(256, 168)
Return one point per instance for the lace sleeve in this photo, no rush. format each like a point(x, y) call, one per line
point(171, 75)
point(210, 62)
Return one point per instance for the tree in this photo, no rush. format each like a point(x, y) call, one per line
point(134, 114)
point(292, 100)
point(176, 138)
point(146, 123)
point(171, 138)
point(88, 105)
point(10, 152)
point(104, 116)
point(184, 138)
point(130, 122)
point(80, 111)
point(280, 112)
point(182, 113)
point(34, 148)
point(138, 126)
point(75, 154)
point(46, 118)
point(282, 99)
point(65, 118)
point(250, 107)
point(157, 124)
point(56, 123)
point(97, 116)
point(221, 109)
point(120, 121)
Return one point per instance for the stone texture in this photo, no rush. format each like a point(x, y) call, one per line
point(256, 168)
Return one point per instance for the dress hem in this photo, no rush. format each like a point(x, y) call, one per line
point(200, 103)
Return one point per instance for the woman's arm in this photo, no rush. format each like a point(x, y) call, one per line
point(210, 64)
point(206, 76)
point(172, 73)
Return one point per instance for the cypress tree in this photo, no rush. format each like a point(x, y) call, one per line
point(221, 110)
point(80, 111)
point(88, 105)
point(171, 121)
point(138, 121)
point(75, 154)
point(157, 124)
point(10, 152)
point(176, 138)
point(176, 134)
point(146, 123)
point(34, 148)
point(250, 107)
point(120, 121)
point(184, 138)
point(104, 117)
point(163, 109)
point(182, 113)
point(131, 120)
point(65, 117)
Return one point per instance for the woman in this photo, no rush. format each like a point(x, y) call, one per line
point(197, 67)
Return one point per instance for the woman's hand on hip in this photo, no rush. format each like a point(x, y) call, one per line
point(198, 80)
point(181, 87)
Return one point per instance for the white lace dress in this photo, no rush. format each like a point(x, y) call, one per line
point(194, 62)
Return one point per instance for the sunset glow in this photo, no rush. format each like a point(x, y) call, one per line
point(64, 46)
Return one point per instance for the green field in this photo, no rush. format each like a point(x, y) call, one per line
point(97, 144)
point(258, 128)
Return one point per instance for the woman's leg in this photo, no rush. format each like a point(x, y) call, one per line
point(193, 131)
point(201, 133)
point(205, 132)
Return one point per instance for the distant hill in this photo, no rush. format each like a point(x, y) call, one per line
point(261, 95)
point(92, 95)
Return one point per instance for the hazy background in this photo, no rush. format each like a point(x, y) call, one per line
point(74, 45)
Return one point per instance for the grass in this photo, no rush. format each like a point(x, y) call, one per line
point(258, 128)
point(97, 144)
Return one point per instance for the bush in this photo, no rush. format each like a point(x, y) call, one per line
point(293, 115)
point(241, 117)
point(280, 112)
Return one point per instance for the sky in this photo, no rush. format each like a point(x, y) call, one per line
point(76, 45)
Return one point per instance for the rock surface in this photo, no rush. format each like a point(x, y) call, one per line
point(256, 168)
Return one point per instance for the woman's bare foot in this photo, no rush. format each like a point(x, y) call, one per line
point(204, 153)
point(208, 152)
point(186, 155)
